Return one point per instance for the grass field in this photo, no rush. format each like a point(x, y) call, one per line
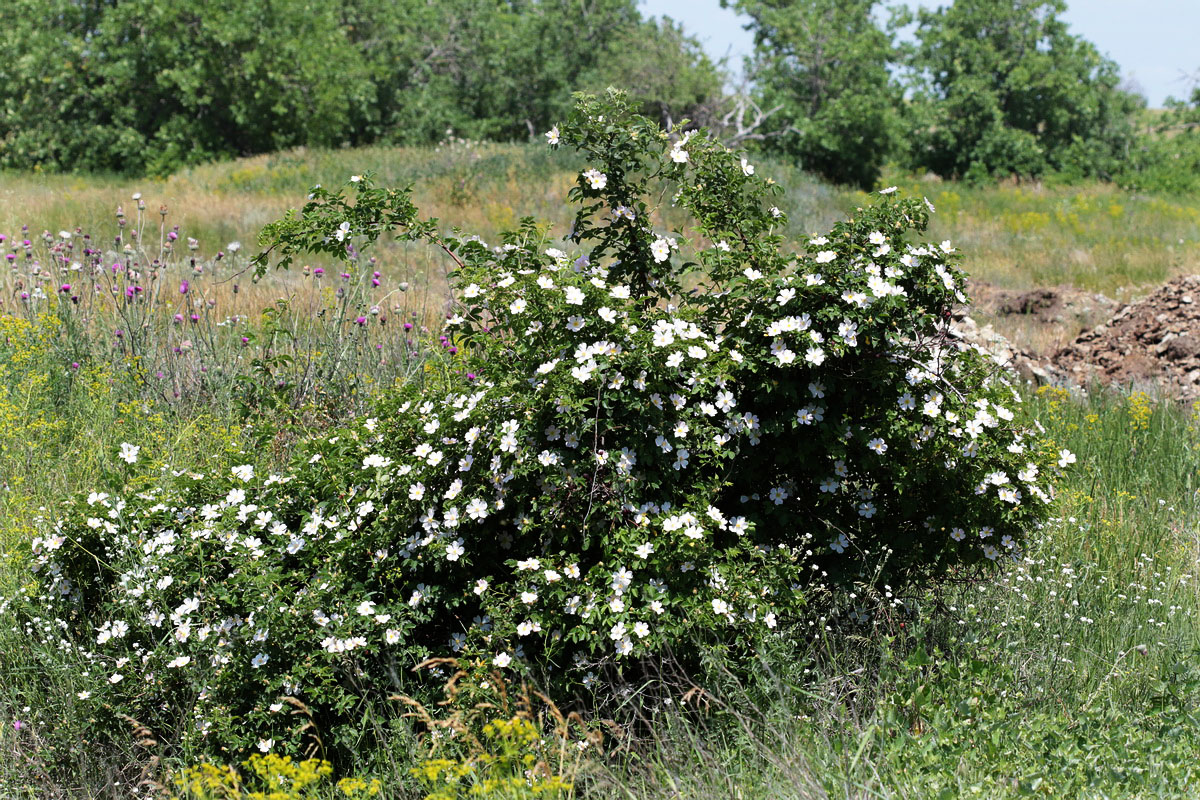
point(1075, 673)
point(1090, 236)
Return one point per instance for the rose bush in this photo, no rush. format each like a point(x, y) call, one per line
point(646, 434)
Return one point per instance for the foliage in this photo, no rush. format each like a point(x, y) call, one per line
point(664, 71)
point(1167, 159)
point(825, 64)
point(1004, 88)
point(139, 86)
point(1074, 673)
point(501, 770)
point(627, 464)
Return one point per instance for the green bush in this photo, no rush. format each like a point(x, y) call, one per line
point(658, 437)
point(837, 116)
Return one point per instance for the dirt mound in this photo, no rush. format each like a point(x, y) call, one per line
point(1041, 302)
point(1152, 342)
point(1061, 305)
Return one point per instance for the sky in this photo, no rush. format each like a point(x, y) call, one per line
point(1154, 41)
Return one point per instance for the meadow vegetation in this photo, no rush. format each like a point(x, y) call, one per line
point(1021, 235)
point(1072, 671)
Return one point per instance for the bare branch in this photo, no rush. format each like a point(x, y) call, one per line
point(746, 120)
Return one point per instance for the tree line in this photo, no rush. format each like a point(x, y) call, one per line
point(975, 89)
point(142, 85)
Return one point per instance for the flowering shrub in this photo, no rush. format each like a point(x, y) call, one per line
point(656, 435)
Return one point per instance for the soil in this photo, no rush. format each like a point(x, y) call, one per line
point(1151, 343)
point(1051, 306)
point(1039, 322)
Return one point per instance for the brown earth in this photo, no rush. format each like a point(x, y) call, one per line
point(1150, 343)
point(1044, 335)
point(1060, 305)
point(1020, 329)
point(1040, 321)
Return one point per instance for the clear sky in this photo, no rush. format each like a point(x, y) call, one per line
point(1154, 41)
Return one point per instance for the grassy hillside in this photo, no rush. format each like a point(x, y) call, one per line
point(1094, 237)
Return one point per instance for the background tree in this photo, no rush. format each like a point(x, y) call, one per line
point(139, 85)
point(1003, 87)
point(825, 64)
point(1167, 157)
point(144, 85)
point(665, 73)
point(487, 69)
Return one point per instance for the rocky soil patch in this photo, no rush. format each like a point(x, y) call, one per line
point(1025, 363)
point(1152, 342)
point(1063, 306)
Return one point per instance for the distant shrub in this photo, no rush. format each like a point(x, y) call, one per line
point(657, 440)
point(148, 87)
point(1001, 88)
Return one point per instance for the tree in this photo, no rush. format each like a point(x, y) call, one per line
point(665, 72)
point(825, 64)
point(1166, 157)
point(1002, 87)
point(140, 85)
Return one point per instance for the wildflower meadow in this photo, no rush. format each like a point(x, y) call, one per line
point(684, 487)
